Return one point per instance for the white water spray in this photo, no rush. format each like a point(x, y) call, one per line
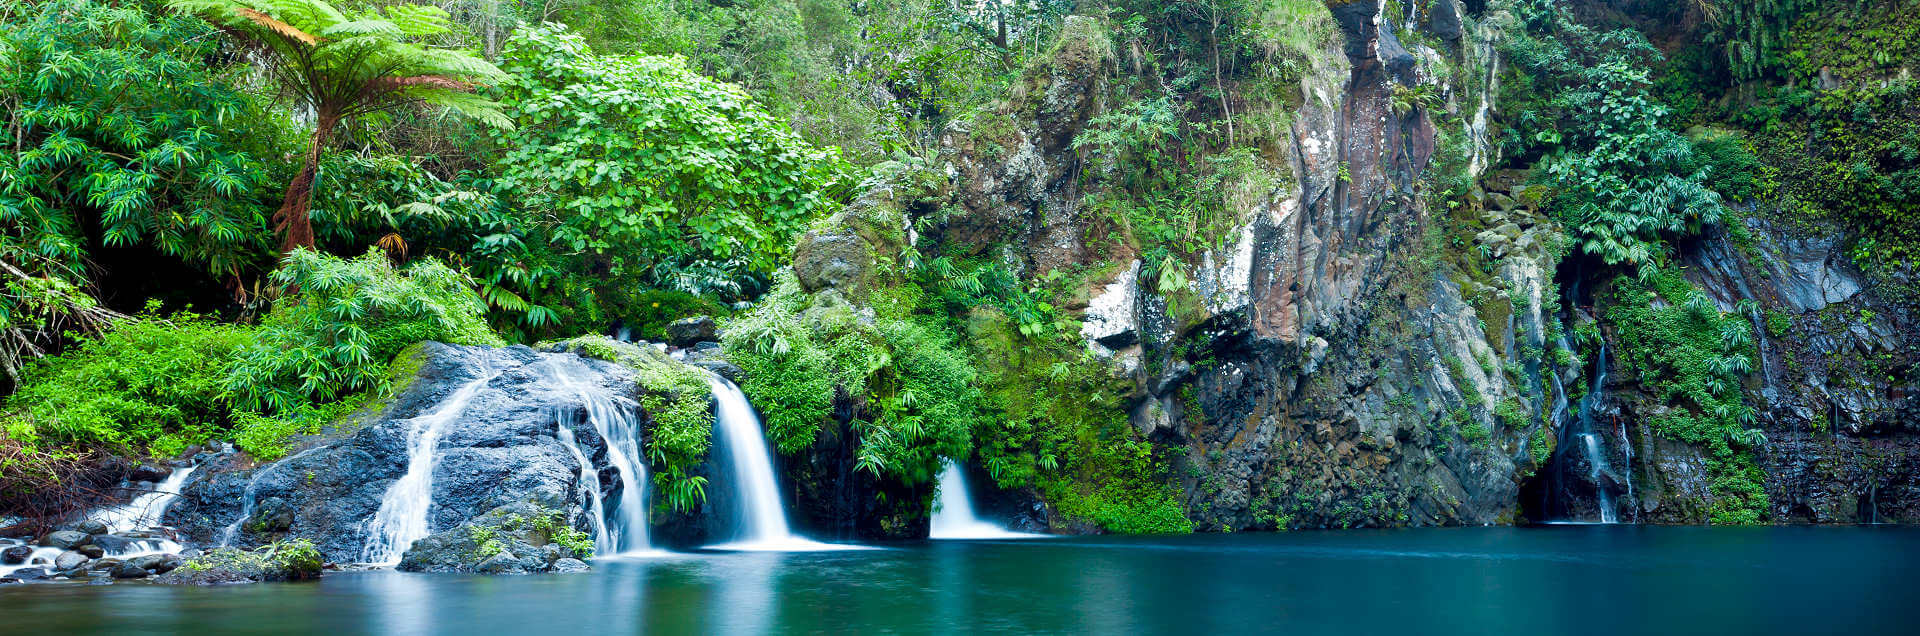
point(402, 518)
point(953, 516)
point(762, 520)
point(621, 529)
point(144, 513)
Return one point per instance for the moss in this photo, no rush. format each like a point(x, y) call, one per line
point(1692, 357)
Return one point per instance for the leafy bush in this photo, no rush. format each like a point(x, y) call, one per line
point(648, 169)
point(343, 320)
point(1622, 182)
point(799, 352)
point(1692, 356)
point(148, 382)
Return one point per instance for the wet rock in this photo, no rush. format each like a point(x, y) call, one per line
point(65, 539)
point(16, 554)
point(570, 566)
point(295, 560)
point(687, 332)
point(92, 526)
point(151, 473)
point(503, 449)
point(502, 563)
point(32, 574)
point(91, 551)
point(129, 571)
point(148, 561)
point(488, 544)
point(8, 580)
point(69, 560)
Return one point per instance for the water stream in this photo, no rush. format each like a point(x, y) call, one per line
point(619, 527)
point(741, 452)
point(402, 518)
point(144, 513)
point(953, 516)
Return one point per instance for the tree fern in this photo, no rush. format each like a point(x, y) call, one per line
point(344, 64)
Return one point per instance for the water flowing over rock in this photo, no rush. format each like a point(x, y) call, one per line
point(513, 427)
point(758, 515)
point(953, 515)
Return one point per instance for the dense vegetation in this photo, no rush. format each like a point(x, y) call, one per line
point(229, 220)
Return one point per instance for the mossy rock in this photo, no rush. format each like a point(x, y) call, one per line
point(295, 560)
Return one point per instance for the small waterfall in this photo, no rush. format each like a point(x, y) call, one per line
point(743, 454)
point(1760, 339)
point(402, 518)
point(623, 527)
point(144, 513)
point(1596, 469)
point(953, 516)
point(41, 557)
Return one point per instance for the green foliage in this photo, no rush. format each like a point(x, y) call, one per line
point(349, 64)
point(1058, 424)
point(119, 134)
point(1693, 357)
point(1622, 183)
point(114, 122)
point(342, 321)
point(1850, 157)
point(150, 382)
point(647, 171)
point(801, 353)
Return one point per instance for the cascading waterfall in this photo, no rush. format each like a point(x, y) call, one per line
point(744, 455)
point(402, 518)
point(953, 516)
point(1760, 339)
point(622, 528)
point(1596, 470)
point(144, 513)
point(1590, 442)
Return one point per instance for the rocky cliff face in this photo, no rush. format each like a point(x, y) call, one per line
point(1325, 372)
point(1344, 362)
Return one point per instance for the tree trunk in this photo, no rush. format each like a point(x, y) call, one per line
point(292, 222)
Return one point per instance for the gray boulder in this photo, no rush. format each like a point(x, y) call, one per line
point(129, 571)
point(91, 551)
point(148, 561)
point(503, 449)
point(490, 544)
point(687, 332)
point(69, 560)
point(295, 560)
point(92, 526)
point(570, 566)
point(16, 554)
point(32, 574)
point(65, 539)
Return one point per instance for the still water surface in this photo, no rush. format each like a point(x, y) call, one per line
point(1610, 580)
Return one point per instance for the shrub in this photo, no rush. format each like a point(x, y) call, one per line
point(343, 320)
point(651, 169)
point(148, 382)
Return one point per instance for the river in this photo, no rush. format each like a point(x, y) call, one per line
point(1572, 579)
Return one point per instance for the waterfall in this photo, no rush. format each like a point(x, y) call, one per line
point(953, 516)
point(402, 518)
point(743, 454)
point(1596, 469)
point(144, 513)
point(623, 527)
point(1760, 339)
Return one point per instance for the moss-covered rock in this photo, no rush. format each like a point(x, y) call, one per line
point(293, 560)
point(522, 538)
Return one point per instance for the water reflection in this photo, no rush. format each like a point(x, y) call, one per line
point(1561, 580)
